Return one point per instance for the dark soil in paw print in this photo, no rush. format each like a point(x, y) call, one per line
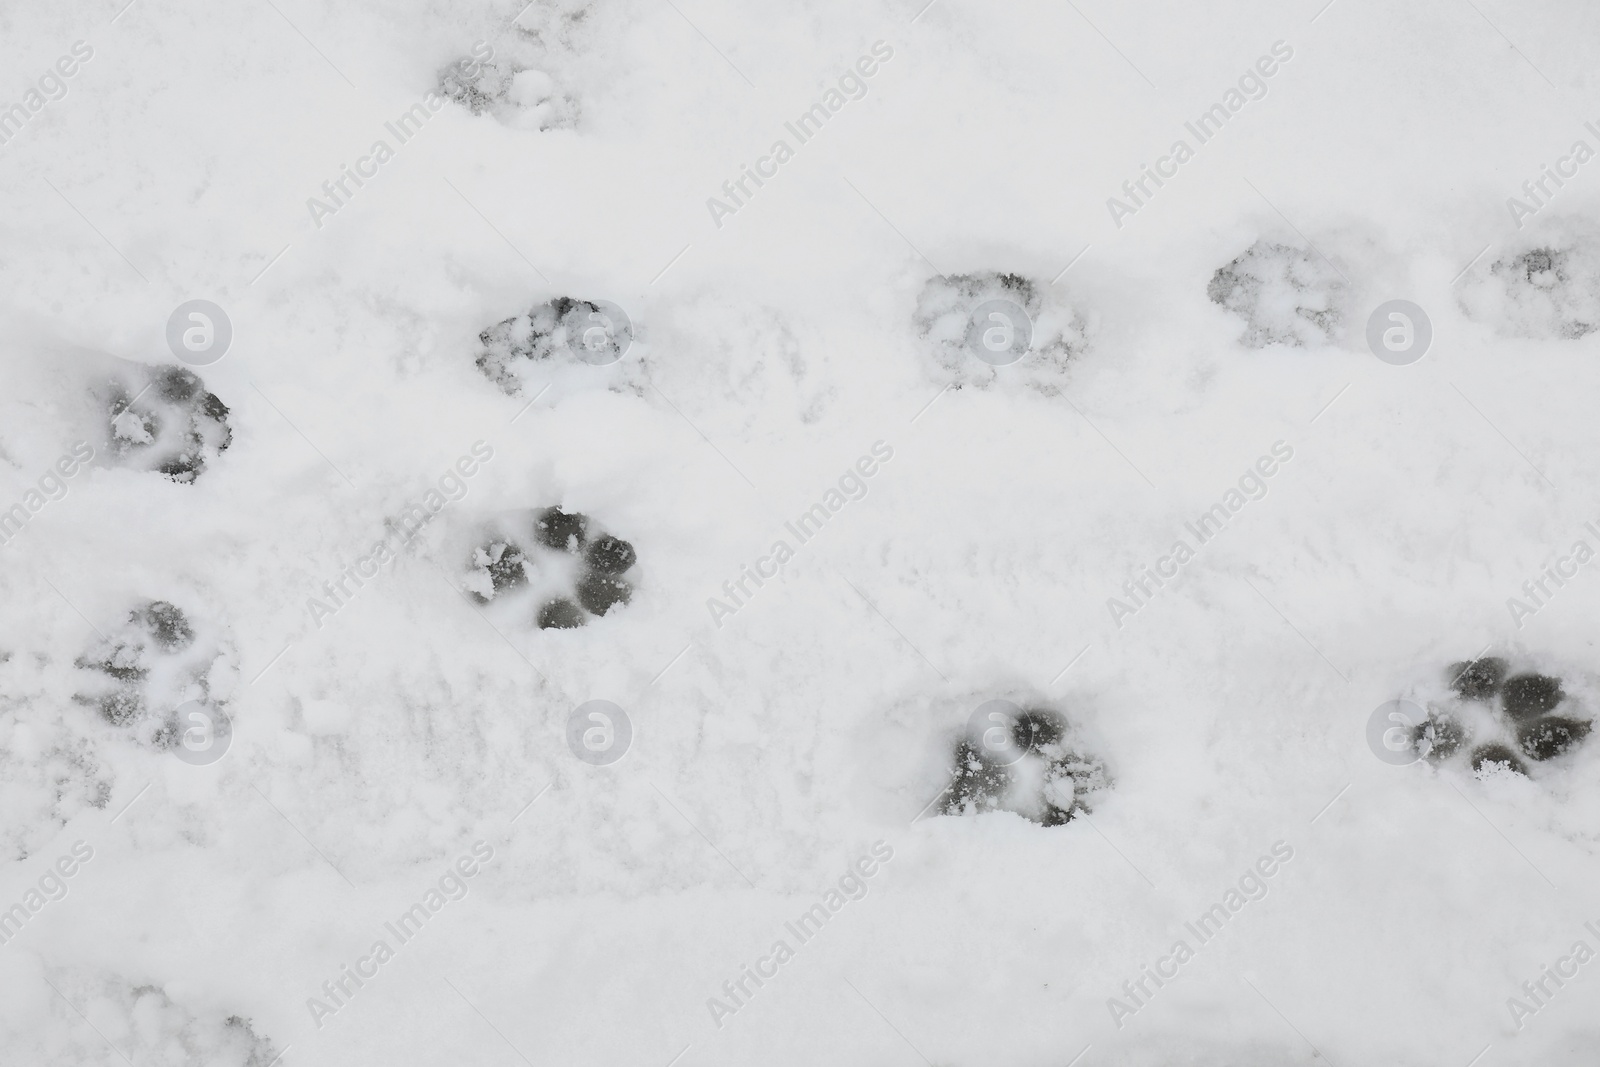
point(1549, 737)
point(1045, 776)
point(561, 614)
point(544, 565)
point(599, 592)
point(561, 530)
point(162, 419)
point(610, 555)
point(1478, 679)
point(555, 331)
point(1441, 736)
point(1528, 695)
point(139, 675)
point(1285, 295)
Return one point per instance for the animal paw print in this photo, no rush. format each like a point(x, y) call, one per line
point(140, 675)
point(1545, 293)
point(162, 419)
point(1027, 761)
point(561, 332)
point(944, 317)
point(516, 95)
point(1511, 716)
point(1285, 295)
point(552, 559)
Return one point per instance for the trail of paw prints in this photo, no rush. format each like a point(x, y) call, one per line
point(989, 328)
point(1028, 761)
point(161, 683)
point(162, 419)
point(1285, 295)
point(1492, 715)
point(551, 568)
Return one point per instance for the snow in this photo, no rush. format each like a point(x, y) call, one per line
point(377, 742)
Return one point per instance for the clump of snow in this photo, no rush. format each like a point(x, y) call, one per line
point(1548, 291)
point(943, 318)
point(1286, 295)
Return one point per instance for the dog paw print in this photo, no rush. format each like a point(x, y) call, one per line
point(987, 328)
point(1288, 296)
point(518, 95)
point(142, 674)
point(559, 334)
point(1543, 293)
point(1028, 761)
point(162, 419)
point(1508, 719)
point(552, 566)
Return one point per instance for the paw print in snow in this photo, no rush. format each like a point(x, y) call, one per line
point(551, 565)
point(1285, 295)
point(509, 90)
point(1510, 716)
point(162, 419)
point(140, 675)
point(1028, 761)
point(1544, 293)
point(562, 335)
point(944, 318)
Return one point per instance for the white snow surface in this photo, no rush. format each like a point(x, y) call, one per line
point(773, 747)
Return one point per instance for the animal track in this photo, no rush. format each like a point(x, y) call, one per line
point(1028, 761)
point(943, 318)
point(1285, 295)
point(514, 93)
point(1541, 293)
point(1508, 715)
point(162, 419)
point(549, 559)
point(140, 675)
point(560, 332)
